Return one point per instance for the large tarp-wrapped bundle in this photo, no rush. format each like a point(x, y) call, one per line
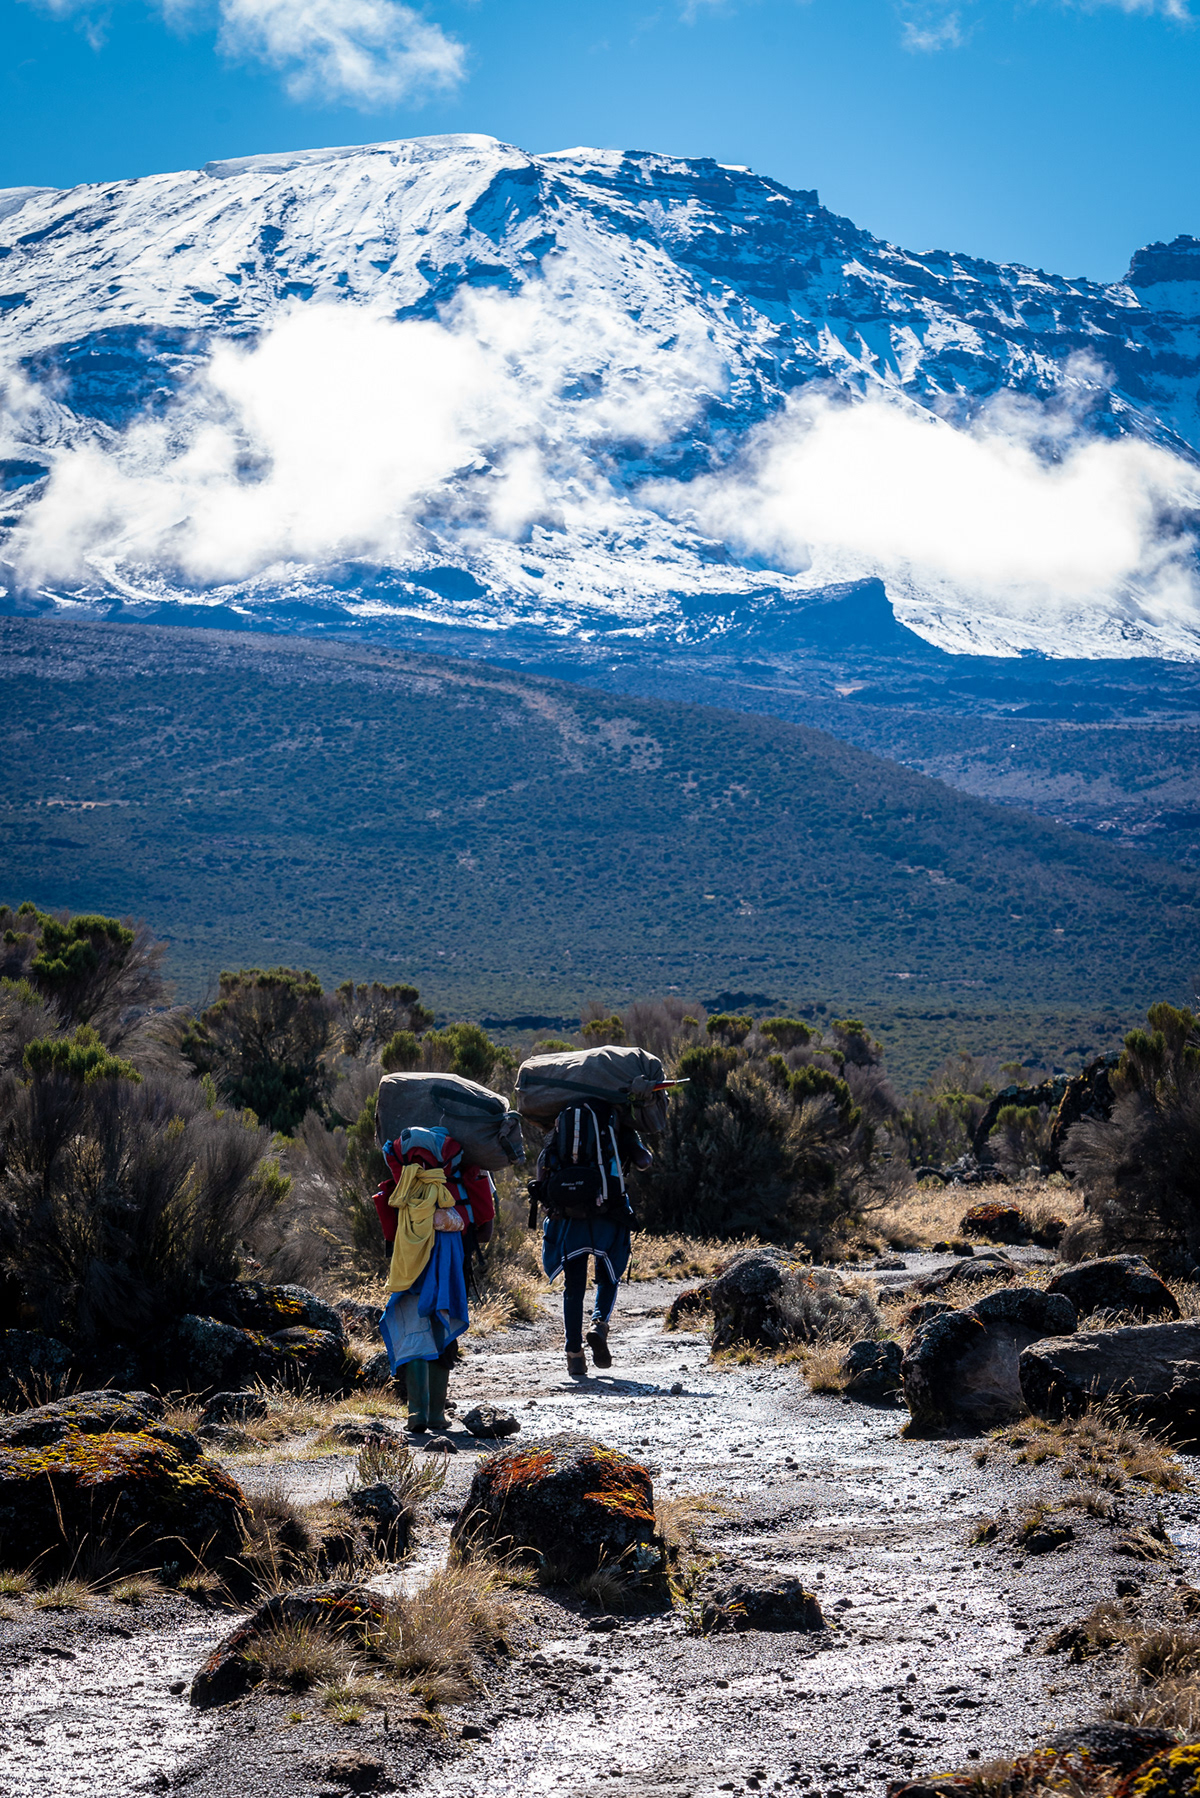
point(476, 1117)
point(612, 1073)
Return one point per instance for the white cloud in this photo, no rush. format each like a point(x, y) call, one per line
point(929, 25)
point(367, 53)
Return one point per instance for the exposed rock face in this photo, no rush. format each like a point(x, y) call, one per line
point(30, 1364)
point(874, 1370)
point(965, 1365)
point(103, 1466)
point(766, 1299)
point(573, 1505)
point(489, 1422)
point(1116, 1283)
point(340, 1606)
point(770, 1603)
point(1151, 1370)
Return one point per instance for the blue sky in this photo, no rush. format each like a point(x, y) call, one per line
point(1061, 133)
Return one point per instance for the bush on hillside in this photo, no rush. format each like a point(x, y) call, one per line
point(1140, 1169)
point(122, 1200)
point(938, 1120)
point(91, 969)
point(265, 1042)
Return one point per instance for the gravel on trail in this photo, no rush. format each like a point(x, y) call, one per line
point(935, 1654)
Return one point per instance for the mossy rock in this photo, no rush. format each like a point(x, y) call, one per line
point(998, 1223)
point(101, 1467)
point(339, 1608)
point(208, 1355)
point(572, 1505)
point(268, 1309)
point(1172, 1773)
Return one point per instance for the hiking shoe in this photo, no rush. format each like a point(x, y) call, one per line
point(577, 1365)
point(597, 1341)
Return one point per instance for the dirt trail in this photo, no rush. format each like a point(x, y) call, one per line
point(935, 1656)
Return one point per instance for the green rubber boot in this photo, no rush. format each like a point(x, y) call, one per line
point(416, 1374)
point(439, 1382)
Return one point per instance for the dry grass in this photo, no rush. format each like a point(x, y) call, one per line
point(413, 1475)
point(433, 1638)
point(299, 1655)
point(608, 1588)
point(63, 1595)
point(932, 1212)
point(686, 1257)
point(823, 1367)
point(137, 1590)
point(14, 1584)
point(1101, 1448)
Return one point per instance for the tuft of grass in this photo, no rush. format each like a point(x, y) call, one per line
point(436, 1633)
point(675, 1257)
point(1101, 1448)
point(14, 1584)
point(136, 1590)
point(63, 1595)
point(822, 1365)
point(607, 1587)
point(201, 1585)
point(299, 1655)
point(413, 1475)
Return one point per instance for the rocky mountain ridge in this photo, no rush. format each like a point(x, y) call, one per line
point(672, 309)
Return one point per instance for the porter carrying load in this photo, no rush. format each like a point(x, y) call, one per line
point(479, 1120)
point(609, 1075)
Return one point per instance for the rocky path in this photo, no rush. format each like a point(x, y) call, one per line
point(936, 1656)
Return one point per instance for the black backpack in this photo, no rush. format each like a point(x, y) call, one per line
point(582, 1175)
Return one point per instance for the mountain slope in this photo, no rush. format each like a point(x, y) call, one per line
point(582, 393)
point(518, 845)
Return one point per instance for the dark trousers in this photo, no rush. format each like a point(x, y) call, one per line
point(575, 1278)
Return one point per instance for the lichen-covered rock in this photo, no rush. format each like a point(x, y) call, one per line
point(490, 1422)
point(1174, 1772)
point(359, 1319)
point(269, 1309)
point(998, 1223)
point(965, 1365)
point(101, 1467)
point(572, 1505)
point(768, 1602)
point(378, 1370)
point(767, 1299)
point(874, 1371)
point(688, 1307)
point(1152, 1371)
point(31, 1365)
point(339, 1607)
point(205, 1352)
point(1121, 1746)
point(318, 1359)
point(1116, 1283)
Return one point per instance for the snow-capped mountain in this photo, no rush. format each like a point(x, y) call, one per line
point(579, 393)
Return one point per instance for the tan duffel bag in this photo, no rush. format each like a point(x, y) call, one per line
point(613, 1074)
point(476, 1117)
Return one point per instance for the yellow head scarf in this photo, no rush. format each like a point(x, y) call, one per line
point(420, 1191)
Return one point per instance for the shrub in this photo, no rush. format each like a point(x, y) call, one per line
point(94, 970)
point(264, 1041)
point(1141, 1167)
point(123, 1202)
point(730, 1027)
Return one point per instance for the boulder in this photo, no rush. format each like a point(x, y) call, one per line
point(1174, 1772)
point(980, 1270)
point(689, 1306)
point(269, 1309)
point(964, 1366)
point(358, 1431)
point(767, 1299)
point(1152, 1371)
point(1116, 1283)
point(339, 1607)
point(378, 1370)
point(768, 1602)
point(206, 1352)
point(234, 1407)
point(32, 1366)
point(998, 1223)
point(490, 1422)
point(102, 1467)
point(574, 1505)
point(1120, 1746)
point(919, 1314)
point(387, 1519)
point(874, 1370)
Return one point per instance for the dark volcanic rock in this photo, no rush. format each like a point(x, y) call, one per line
point(758, 1602)
point(689, 1306)
point(573, 1505)
point(490, 1422)
point(1117, 1745)
point(1118, 1283)
point(998, 1223)
point(1151, 1370)
point(981, 1270)
point(338, 1607)
point(101, 1467)
point(205, 1352)
point(31, 1365)
point(234, 1407)
point(767, 1299)
point(387, 1519)
point(965, 1365)
point(874, 1370)
point(269, 1309)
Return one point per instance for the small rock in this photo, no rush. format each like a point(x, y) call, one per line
point(889, 1264)
point(571, 1501)
point(677, 1389)
point(234, 1407)
point(1000, 1223)
point(359, 1430)
point(176, 1687)
point(475, 1732)
point(874, 1370)
point(769, 1603)
point(490, 1422)
point(440, 1445)
point(602, 1625)
point(358, 1772)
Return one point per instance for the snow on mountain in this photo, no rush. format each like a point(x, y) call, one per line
point(582, 393)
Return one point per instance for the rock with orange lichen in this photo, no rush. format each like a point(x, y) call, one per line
point(102, 1468)
point(573, 1505)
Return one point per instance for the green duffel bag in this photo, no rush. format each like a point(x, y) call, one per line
point(612, 1073)
point(477, 1118)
